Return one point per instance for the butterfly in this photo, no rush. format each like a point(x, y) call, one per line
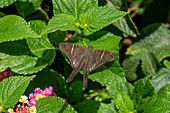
point(86, 58)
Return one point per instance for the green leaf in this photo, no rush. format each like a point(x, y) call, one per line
point(149, 63)
point(107, 108)
point(98, 18)
point(75, 91)
point(143, 87)
point(130, 67)
point(14, 28)
point(156, 40)
point(124, 104)
point(41, 47)
point(162, 103)
point(11, 90)
point(53, 105)
point(61, 22)
point(73, 7)
point(125, 24)
point(25, 8)
point(37, 25)
point(21, 61)
point(57, 81)
point(5, 3)
point(166, 63)
point(88, 106)
point(160, 79)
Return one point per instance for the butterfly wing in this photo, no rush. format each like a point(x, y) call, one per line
point(99, 57)
point(74, 52)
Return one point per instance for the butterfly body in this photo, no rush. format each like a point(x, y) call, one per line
point(86, 58)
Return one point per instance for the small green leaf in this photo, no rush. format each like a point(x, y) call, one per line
point(88, 106)
point(25, 8)
point(11, 90)
point(124, 104)
point(166, 63)
point(162, 103)
point(61, 22)
point(125, 24)
point(143, 87)
point(53, 105)
point(37, 25)
point(130, 67)
point(107, 108)
point(73, 7)
point(4, 3)
point(14, 28)
point(160, 79)
point(98, 18)
point(149, 63)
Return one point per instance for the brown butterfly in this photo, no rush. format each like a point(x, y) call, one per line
point(86, 58)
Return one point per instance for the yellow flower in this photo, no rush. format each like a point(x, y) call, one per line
point(10, 110)
point(24, 99)
point(32, 109)
point(38, 96)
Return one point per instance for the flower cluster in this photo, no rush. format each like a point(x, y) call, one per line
point(38, 94)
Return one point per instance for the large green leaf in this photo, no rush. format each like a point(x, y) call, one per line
point(73, 7)
point(150, 50)
point(124, 104)
point(61, 22)
point(4, 3)
point(53, 105)
point(14, 28)
point(162, 103)
point(160, 79)
point(19, 58)
point(156, 40)
point(11, 90)
point(98, 18)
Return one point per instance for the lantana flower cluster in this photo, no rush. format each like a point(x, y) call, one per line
point(30, 107)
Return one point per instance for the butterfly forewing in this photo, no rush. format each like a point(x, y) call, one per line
point(99, 57)
point(73, 52)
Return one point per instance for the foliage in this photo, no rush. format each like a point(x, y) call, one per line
point(29, 38)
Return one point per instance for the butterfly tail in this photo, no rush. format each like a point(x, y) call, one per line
point(74, 73)
point(85, 77)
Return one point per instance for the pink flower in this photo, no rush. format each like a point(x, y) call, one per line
point(32, 96)
point(50, 90)
point(46, 93)
point(38, 91)
point(31, 103)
